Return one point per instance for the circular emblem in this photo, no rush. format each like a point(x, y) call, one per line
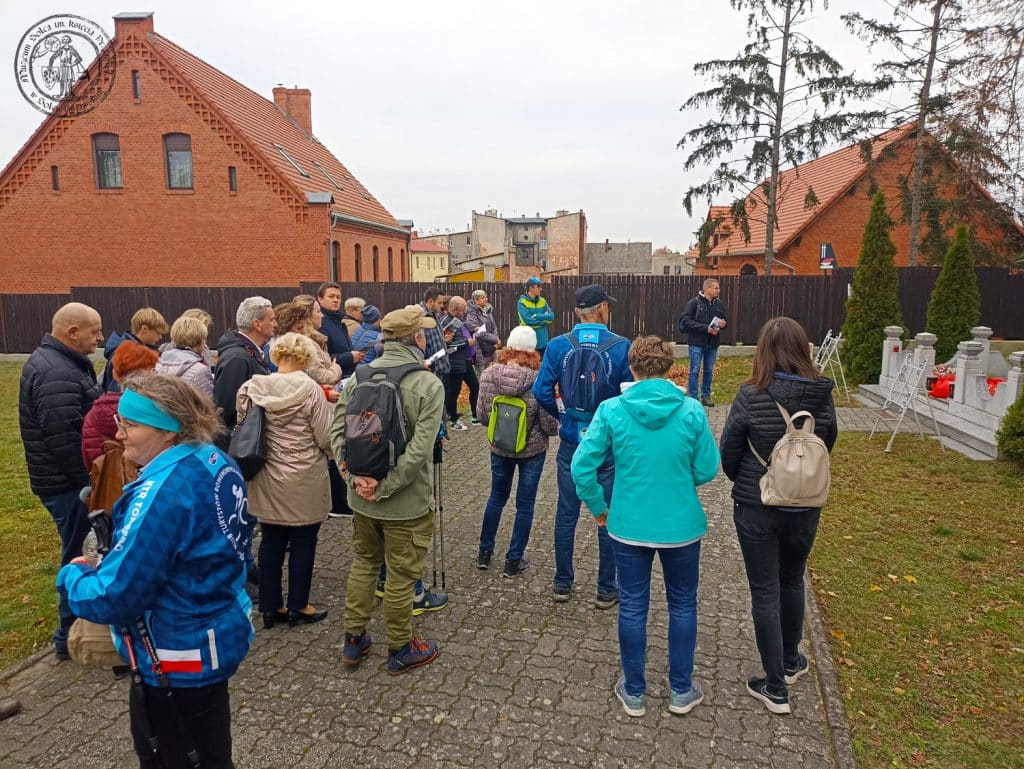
point(54, 65)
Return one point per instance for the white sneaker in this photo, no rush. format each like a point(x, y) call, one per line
point(458, 426)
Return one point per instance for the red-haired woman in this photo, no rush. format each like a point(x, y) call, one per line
point(99, 426)
point(513, 376)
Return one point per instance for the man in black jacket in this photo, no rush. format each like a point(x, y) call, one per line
point(240, 356)
point(339, 344)
point(702, 319)
point(58, 387)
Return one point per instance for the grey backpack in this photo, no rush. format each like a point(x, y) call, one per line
point(797, 471)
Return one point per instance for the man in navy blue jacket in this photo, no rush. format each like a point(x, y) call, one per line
point(592, 354)
point(702, 319)
point(339, 345)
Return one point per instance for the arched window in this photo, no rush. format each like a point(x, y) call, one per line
point(391, 263)
point(748, 269)
point(335, 259)
point(106, 150)
point(376, 266)
point(401, 263)
point(359, 259)
point(178, 161)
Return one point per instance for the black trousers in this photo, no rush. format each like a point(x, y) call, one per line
point(300, 543)
point(339, 491)
point(452, 388)
point(775, 545)
point(205, 713)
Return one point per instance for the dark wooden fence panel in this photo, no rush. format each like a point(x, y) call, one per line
point(24, 318)
point(646, 304)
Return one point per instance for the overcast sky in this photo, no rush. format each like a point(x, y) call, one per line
point(445, 107)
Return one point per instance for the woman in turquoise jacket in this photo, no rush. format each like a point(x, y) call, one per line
point(663, 449)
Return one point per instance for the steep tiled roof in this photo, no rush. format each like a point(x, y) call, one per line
point(425, 246)
point(829, 176)
point(263, 125)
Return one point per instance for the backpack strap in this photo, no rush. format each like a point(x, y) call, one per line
point(607, 344)
point(393, 374)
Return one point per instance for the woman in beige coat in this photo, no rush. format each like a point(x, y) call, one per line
point(323, 369)
point(291, 494)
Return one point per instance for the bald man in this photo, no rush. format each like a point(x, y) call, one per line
point(58, 387)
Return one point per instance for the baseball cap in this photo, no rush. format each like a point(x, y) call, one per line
point(404, 322)
point(592, 295)
point(533, 280)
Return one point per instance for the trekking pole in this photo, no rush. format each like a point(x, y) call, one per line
point(433, 547)
point(440, 516)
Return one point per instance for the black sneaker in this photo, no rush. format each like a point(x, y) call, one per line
point(414, 654)
point(707, 402)
point(792, 674)
point(340, 514)
point(606, 600)
point(356, 647)
point(515, 568)
point(483, 559)
point(562, 593)
point(776, 703)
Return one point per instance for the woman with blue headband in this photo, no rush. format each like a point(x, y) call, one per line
point(172, 586)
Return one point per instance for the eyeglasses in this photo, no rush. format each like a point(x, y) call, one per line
point(124, 424)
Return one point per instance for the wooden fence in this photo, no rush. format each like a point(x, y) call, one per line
point(646, 304)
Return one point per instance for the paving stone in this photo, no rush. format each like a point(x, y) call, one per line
point(520, 679)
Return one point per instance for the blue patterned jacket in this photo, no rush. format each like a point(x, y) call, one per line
point(177, 560)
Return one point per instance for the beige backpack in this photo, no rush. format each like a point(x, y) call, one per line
point(797, 471)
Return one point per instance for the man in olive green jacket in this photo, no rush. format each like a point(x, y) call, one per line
point(394, 518)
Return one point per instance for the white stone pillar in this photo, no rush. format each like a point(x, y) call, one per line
point(892, 355)
point(968, 369)
point(983, 334)
point(924, 352)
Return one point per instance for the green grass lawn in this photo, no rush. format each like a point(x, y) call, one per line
point(919, 573)
point(31, 548)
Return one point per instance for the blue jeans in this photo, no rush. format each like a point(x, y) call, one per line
point(775, 545)
point(69, 514)
point(502, 471)
point(681, 567)
point(707, 356)
point(567, 513)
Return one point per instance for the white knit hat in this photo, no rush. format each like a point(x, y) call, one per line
point(522, 338)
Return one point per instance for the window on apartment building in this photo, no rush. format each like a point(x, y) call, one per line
point(106, 150)
point(335, 260)
point(665, 270)
point(359, 259)
point(678, 269)
point(524, 255)
point(391, 263)
point(136, 85)
point(376, 264)
point(286, 156)
point(232, 179)
point(178, 152)
point(327, 175)
point(55, 178)
point(467, 240)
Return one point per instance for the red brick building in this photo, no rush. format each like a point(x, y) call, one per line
point(827, 201)
point(184, 176)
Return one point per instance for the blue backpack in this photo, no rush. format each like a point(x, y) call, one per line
point(586, 380)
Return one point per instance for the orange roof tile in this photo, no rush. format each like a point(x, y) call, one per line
point(425, 246)
point(261, 123)
point(829, 176)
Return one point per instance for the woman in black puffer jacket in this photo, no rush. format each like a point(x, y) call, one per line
point(775, 540)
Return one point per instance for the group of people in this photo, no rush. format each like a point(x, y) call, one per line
point(173, 585)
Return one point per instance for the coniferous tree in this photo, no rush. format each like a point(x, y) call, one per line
point(778, 102)
point(874, 301)
point(955, 305)
point(1010, 437)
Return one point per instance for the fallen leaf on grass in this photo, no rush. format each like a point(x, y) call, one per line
point(918, 757)
point(847, 536)
point(839, 634)
point(845, 661)
point(26, 598)
point(893, 577)
point(874, 588)
point(832, 593)
point(975, 711)
point(910, 578)
point(887, 618)
point(898, 691)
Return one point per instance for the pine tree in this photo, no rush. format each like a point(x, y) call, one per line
point(1010, 438)
point(874, 302)
point(779, 102)
point(955, 305)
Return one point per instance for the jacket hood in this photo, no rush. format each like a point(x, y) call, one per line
point(513, 380)
point(652, 402)
point(175, 361)
point(279, 393)
point(798, 394)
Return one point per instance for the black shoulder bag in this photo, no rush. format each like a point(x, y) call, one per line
point(249, 442)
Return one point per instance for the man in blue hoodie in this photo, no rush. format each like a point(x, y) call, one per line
point(587, 366)
point(534, 311)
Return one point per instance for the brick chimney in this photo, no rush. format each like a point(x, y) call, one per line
point(136, 23)
point(295, 103)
